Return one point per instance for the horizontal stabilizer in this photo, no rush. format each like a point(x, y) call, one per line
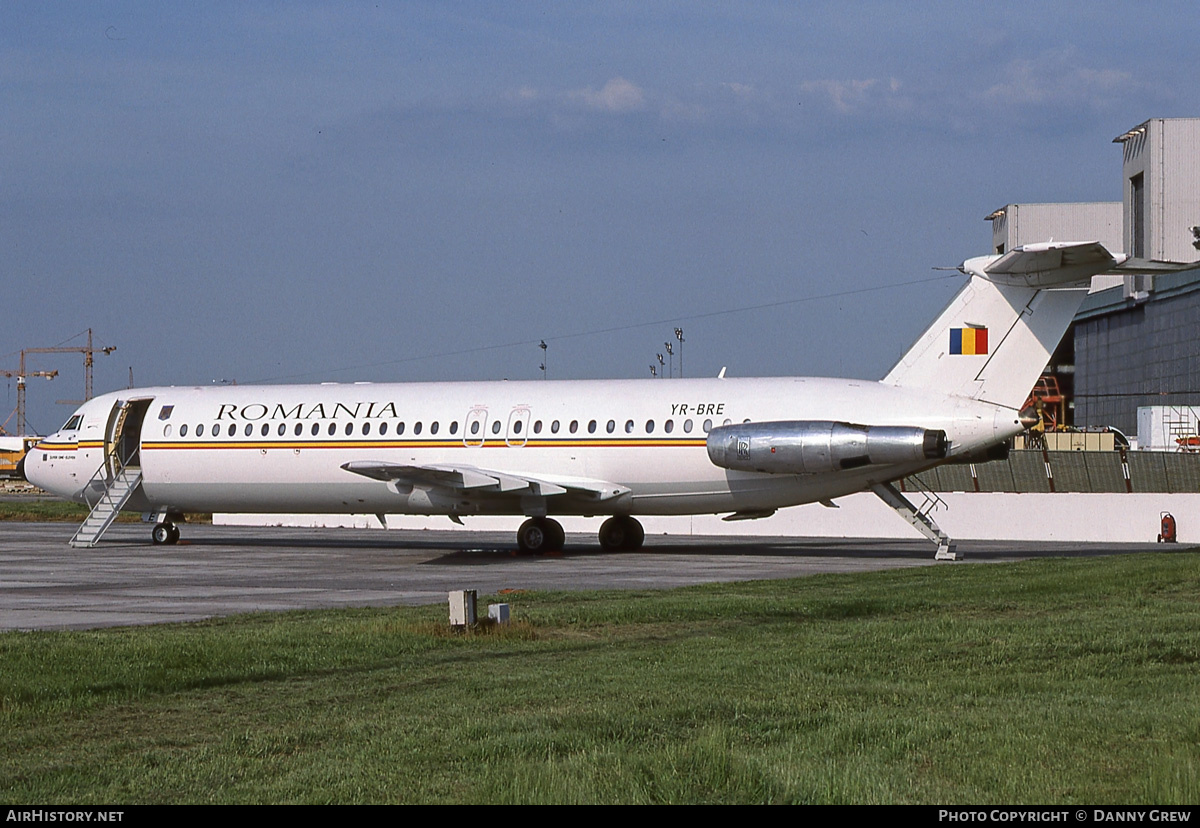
point(1045, 265)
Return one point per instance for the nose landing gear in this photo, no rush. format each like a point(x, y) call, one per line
point(164, 532)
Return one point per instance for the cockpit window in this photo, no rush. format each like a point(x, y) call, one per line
point(73, 423)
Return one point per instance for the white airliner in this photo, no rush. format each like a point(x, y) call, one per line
point(615, 448)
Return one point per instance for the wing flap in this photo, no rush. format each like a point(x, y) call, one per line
point(471, 478)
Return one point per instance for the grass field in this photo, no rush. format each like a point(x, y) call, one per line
point(51, 510)
point(1056, 681)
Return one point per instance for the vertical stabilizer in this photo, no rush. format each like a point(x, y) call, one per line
point(993, 340)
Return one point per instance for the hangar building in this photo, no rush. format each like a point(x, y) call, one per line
point(1136, 342)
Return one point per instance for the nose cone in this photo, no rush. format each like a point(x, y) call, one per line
point(49, 475)
point(34, 468)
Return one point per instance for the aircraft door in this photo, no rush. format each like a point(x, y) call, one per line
point(123, 438)
point(518, 427)
point(474, 428)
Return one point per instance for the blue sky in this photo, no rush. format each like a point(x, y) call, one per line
point(416, 191)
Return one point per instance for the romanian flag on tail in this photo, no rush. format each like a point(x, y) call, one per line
point(968, 341)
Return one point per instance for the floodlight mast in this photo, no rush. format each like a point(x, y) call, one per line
point(679, 336)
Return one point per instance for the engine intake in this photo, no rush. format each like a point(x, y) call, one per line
point(811, 446)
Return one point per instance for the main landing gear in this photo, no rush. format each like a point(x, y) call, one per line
point(540, 534)
point(621, 534)
point(617, 534)
point(164, 532)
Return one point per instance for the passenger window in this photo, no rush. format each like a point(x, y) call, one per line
point(612, 426)
point(315, 428)
point(537, 427)
point(727, 421)
point(669, 426)
point(707, 426)
point(232, 429)
point(417, 427)
point(349, 429)
point(629, 426)
point(649, 426)
point(366, 429)
point(433, 427)
point(332, 430)
point(167, 430)
point(399, 428)
point(248, 430)
point(554, 427)
point(495, 426)
point(282, 429)
point(454, 427)
point(200, 430)
point(574, 426)
point(183, 430)
point(687, 426)
point(517, 427)
point(591, 427)
point(475, 427)
point(382, 429)
point(265, 428)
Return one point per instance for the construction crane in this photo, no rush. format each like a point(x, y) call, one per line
point(88, 360)
point(21, 376)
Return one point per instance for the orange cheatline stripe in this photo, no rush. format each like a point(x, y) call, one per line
point(409, 444)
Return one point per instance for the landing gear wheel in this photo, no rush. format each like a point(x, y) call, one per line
point(555, 534)
point(621, 533)
point(538, 535)
point(165, 532)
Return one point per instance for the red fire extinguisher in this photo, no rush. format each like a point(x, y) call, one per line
point(1167, 532)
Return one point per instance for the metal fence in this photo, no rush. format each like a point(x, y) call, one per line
point(1035, 471)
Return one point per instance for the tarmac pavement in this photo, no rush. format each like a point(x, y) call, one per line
point(225, 570)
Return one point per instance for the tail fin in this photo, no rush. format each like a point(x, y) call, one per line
point(994, 339)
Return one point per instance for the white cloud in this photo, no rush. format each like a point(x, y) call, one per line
point(854, 94)
point(618, 95)
point(1058, 77)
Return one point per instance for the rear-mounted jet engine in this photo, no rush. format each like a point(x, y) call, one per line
point(812, 446)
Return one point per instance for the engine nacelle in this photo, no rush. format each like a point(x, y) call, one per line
point(811, 446)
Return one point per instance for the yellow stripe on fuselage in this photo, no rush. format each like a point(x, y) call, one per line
point(414, 444)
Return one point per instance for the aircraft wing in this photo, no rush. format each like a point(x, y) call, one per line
point(474, 479)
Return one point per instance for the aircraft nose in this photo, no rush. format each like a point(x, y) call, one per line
point(44, 475)
point(34, 468)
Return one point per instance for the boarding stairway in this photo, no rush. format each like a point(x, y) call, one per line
point(117, 491)
point(107, 507)
point(919, 518)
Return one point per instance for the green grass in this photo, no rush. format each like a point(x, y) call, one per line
point(63, 511)
point(1056, 681)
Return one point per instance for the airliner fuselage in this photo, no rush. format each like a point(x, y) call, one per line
point(284, 448)
point(619, 448)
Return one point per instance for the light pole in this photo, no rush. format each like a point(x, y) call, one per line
point(543, 365)
point(670, 357)
point(679, 336)
point(662, 363)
